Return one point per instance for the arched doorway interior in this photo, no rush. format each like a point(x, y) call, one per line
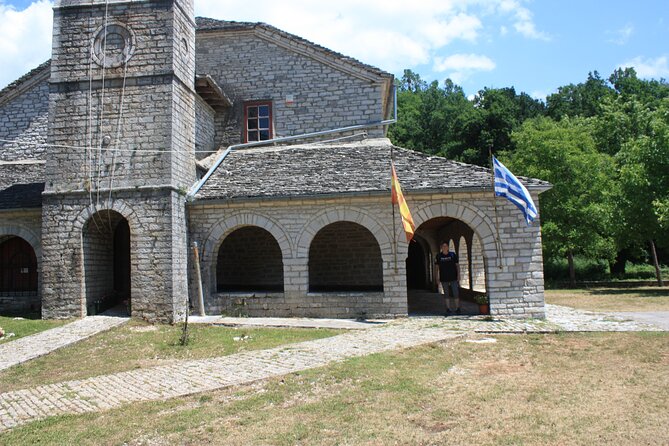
point(345, 257)
point(18, 277)
point(249, 259)
point(107, 262)
point(462, 240)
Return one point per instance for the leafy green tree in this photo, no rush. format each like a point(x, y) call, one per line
point(644, 186)
point(576, 212)
point(582, 99)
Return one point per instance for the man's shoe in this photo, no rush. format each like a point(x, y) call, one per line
point(458, 311)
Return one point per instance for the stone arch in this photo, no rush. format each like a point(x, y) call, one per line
point(472, 216)
point(249, 259)
point(353, 215)
point(21, 303)
point(17, 230)
point(117, 205)
point(220, 230)
point(226, 226)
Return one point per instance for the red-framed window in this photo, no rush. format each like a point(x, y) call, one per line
point(257, 121)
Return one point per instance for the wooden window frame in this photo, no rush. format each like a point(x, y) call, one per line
point(270, 129)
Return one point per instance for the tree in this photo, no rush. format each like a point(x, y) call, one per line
point(576, 212)
point(582, 99)
point(644, 185)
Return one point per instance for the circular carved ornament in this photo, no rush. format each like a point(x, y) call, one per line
point(113, 45)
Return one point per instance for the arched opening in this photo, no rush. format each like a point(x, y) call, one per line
point(18, 277)
point(249, 259)
point(107, 264)
point(461, 240)
point(418, 265)
point(343, 257)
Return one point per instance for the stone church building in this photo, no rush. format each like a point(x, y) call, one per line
point(149, 130)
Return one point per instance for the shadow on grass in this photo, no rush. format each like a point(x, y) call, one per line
point(660, 292)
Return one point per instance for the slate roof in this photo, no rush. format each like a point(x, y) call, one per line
point(26, 77)
point(207, 24)
point(21, 185)
point(342, 168)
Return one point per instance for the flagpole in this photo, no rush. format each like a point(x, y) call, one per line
point(494, 204)
point(392, 163)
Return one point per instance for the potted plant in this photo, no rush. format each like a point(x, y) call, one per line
point(483, 302)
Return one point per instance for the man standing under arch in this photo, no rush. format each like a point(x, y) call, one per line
point(448, 277)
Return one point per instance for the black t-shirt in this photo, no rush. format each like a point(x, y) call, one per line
point(447, 266)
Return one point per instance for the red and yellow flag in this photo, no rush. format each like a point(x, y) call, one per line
point(398, 198)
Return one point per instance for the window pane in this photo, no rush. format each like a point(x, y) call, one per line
point(264, 123)
point(252, 112)
point(264, 135)
point(264, 110)
point(252, 124)
point(253, 135)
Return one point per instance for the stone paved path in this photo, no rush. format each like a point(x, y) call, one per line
point(39, 344)
point(187, 377)
point(293, 322)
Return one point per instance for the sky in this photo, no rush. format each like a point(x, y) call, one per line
point(533, 45)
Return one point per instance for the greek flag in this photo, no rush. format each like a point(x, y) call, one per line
point(507, 185)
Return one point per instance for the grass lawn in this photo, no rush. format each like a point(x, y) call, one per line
point(25, 327)
point(608, 388)
point(138, 345)
point(612, 299)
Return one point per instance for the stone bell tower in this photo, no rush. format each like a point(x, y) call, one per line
point(121, 122)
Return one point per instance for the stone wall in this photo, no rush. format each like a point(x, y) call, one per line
point(24, 119)
point(513, 261)
point(249, 67)
point(205, 130)
point(157, 260)
point(139, 119)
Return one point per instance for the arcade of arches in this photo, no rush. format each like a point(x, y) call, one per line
point(421, 280)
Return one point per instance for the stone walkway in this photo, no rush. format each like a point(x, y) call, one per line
point(187, 377)
point(290, 322)
point(34, 346)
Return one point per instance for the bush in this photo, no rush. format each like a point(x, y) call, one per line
point(585, 269)
point(557, 270)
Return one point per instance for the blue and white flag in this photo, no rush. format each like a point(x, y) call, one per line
point(507, 185)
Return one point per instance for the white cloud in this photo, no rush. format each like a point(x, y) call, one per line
point(649, 68)
point(25, 39)
point(460, 66)
point(390, 34)
point(622, 35)
point(523, 19)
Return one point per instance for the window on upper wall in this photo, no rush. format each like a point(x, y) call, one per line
point(257, 121)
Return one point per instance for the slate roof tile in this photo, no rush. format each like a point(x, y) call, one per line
point(341, 168)
point(21, 185)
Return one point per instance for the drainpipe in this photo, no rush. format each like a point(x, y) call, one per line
point(190, 196)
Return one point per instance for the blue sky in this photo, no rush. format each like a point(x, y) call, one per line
point(533, 45)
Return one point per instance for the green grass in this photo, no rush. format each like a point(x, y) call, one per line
point(139, 345)
point(607, 388)
point(25, 327)
point(612, 299)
